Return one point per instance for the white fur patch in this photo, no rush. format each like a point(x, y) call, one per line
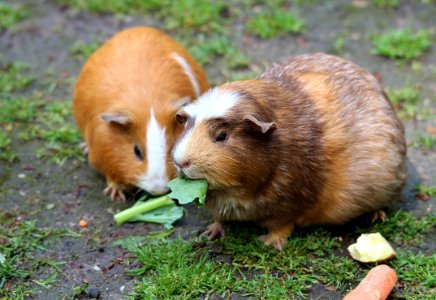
point(180, 149)
point(155, 179)
point(213, 104)
point(188, 71)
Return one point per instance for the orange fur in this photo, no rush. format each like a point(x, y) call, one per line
point(130, 74)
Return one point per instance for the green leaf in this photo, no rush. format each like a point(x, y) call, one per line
point(163, 210)
point(165, 215)
point(142, 207)
point(187, 190)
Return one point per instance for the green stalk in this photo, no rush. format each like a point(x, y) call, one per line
point(147, 206)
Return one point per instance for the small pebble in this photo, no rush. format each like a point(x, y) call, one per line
point(94, 293)
point(50, 206)
point(97, 268)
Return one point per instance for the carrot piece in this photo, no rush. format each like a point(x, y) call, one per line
point(83, 223)
point(376, 285)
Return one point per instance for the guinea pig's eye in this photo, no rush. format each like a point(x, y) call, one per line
point(181, 118)
point(222, 137)
point(138, 153)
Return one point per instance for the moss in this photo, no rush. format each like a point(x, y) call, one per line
point(277, 22)
point(402, 43)
point(10, 15)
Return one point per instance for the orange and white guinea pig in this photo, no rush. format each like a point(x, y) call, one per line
point(125, 101)
point(313, 141)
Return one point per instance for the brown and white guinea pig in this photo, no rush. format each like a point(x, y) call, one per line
point(313, 141)
point(125, 101)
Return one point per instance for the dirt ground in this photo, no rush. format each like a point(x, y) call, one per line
point(60, 195)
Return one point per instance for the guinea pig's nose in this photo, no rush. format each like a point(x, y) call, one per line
point(184, 164)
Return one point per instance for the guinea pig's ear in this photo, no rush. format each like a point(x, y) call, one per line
point(259, 127)
point(179, 103)
point(118, 118)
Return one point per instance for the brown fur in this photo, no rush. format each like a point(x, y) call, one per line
point(128, 75)
point(338, 149)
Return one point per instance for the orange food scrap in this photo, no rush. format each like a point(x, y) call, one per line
point(431, 130)
point(83, 223)
point(376, 285)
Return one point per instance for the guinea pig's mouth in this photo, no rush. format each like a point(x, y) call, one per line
point(182, 174)
point(188, 174)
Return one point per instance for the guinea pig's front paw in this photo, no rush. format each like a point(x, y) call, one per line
point(277, 236)
point(378, 215)
point(115, 191)
point(215, 230)
point(85, 148)
point(273, 240)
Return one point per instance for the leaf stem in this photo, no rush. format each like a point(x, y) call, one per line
point(147, 206)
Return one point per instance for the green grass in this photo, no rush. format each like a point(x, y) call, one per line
point(338, 45)
point(405, 100)
point(404, 43)
point(186, 276)
point(24, 263)
point(27, 119)
point(61, 144)
point(338, 272)
point(10, 15)
point(78, 292)
point(6, 148)
point(188, 270)
point(83, 50)
point(416, 274)
point(387, 3)
point(61, 138)
point(307, 2)
point(425, 141)
point(202, 15)
point(116, 6)
point(240, 265)
point(426, 190)
point(33, 117)
point(274, 22)
point(13, 108)
point(12, 77)
point(181, 15)
point(18, 109)
point(205, 50)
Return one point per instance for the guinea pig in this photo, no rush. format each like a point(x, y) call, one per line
point(125, 101)
point(314, 141)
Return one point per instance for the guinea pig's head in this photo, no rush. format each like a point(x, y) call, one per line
point(228, 138)
point(137, 145)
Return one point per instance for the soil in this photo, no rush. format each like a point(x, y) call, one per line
point(74, 190)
